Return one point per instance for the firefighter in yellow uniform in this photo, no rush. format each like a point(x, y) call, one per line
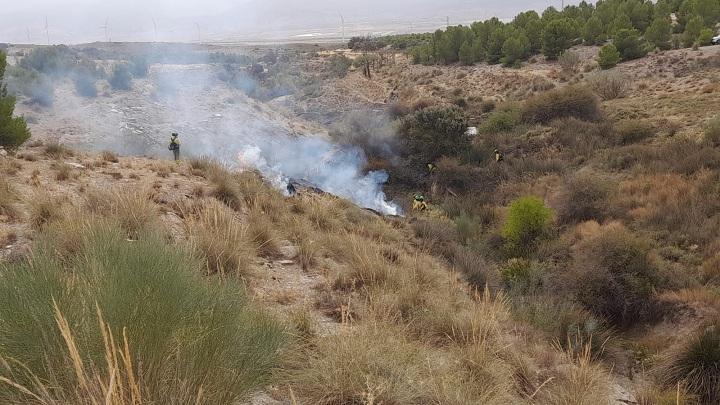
point(175, 146)
point(419, 203)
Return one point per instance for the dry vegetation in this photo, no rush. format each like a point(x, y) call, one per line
point(582, 266)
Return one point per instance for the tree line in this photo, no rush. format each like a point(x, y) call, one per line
point(634, 28)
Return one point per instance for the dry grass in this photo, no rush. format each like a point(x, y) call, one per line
point(218, 235)
point(584, 383)
point(44, 208)
point(8, 199)
point(56, 151)
point(132, 208)
point(110, 157)
point(63, 172)
point(356, 367)
point(263, 234)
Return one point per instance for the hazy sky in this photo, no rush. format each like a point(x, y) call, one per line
point(76, 21)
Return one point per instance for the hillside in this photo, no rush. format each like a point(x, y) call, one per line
point(359, 297)
point(581, 268)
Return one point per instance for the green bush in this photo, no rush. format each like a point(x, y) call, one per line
point(608, 56)
point(435, 132)
point(528, 220)
point(571, 101)
point(186, 334)
point(616, 279)
point(501, 121)
point(13, 130)
point(696, 365)
point(705, 37)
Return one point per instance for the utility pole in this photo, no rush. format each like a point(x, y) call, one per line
point(47, 31)
point(342, 22)
point(105, 27)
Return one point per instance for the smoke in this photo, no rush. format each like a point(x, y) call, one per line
point(206, 98)
point(335, 169)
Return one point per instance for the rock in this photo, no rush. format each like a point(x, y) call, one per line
point(3, 152)
point(75, 165)
point(288, 251)
point(286, 262)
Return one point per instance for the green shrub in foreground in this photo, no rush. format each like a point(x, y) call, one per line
point(186, 334)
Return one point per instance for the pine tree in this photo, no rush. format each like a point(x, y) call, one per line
point(608, 57)
point(557, 37)
point(659, 33)
point(629, 44)
point(692, 30)
point(13, 130)
point(515, 49)
point(593, 33)
point(466, 54)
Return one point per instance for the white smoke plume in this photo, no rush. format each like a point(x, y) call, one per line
point(334, 169)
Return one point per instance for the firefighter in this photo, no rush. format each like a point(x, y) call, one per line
point(419, 203)
point(175, 146)
point(499, 157)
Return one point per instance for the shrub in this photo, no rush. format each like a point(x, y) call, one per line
point(569, 61)
point(139, 66)
point(609, 85)
point(374, 134)
point(501, 121)
point(218, 236)
point(616, 277)
point(695, 365)
point(338, 65)
point(528, 220)
point(44, 209)
point(13, 130)
point(712, 131)
point(183, 338)
point(56, 150)
point(109, 156)
point(521, 276)
point(571, 101)
point(121, 79)
point(631, 131)
point(629, 44)
point(85, 84)
point(608, 57)
point(705, 37)
point(583, 197)
point(435, 132)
